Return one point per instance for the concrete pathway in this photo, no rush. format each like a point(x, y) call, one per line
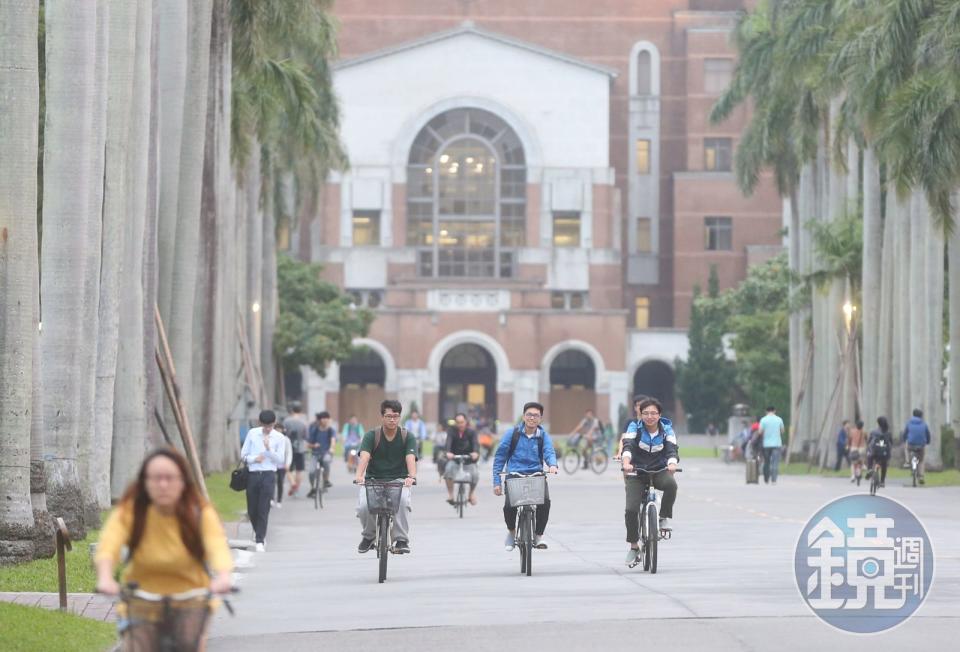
point(725, 581)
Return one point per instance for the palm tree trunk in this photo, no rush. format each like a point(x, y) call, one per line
point(253, 184)
point(902, 392)
point(130, 398)
point(919, 326)
point(70, 281)
point(19, 126)
point(954, 283)
point(269, 309)
point(43, 543)
point(116, 210)
point(870, 313)
point(186, 264)
point(888, 356)
point(933, 401)
point(171, 70)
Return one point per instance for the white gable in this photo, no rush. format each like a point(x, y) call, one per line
point(558, 105)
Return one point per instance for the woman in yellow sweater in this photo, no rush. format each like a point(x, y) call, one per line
point(172, 535)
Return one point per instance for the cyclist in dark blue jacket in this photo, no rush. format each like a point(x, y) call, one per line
point(533, 447)
point(917, 436)
point(649, 445)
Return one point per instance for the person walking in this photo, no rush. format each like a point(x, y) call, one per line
point(842, 445)
point(295, 427)
point(263, 452)
point(175, 543)
point(416, 427)
point(772, 429)
point(282, 469)
point(321, 442)
point(916, 434)
point(857, 450)
point(351, 434)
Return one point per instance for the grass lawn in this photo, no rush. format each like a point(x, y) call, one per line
point(28, 629)
point(41, 574)
point(948, 478)
point(230, 504)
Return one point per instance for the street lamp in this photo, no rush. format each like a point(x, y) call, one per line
point(848, 311)
point(255, 307)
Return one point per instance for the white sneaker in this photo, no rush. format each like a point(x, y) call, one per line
point(279, 505)
point(665, 524)
point(261, 548)
point(273, 503)
point(509, 543)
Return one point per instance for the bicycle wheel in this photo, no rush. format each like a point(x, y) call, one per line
point(316, 491)
point(521, 544)
point(645, 538)
point(599, 460)
point(653, 527)
point(461, 498)
point(913, 470)
point(875, 481)
point(528, 543)
point(383, 546)
point(571, 460)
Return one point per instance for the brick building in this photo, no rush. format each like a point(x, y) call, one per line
point(534, 191)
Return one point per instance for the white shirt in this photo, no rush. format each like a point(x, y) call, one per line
point(273, 451)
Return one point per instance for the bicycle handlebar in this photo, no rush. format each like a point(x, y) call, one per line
point(645, 472)
point(526, 475)
point(132, 589)
point(385, 483)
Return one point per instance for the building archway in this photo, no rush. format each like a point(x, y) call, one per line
point(363, 378)
point(573, 383)
point(468, 384)
point(655, 378)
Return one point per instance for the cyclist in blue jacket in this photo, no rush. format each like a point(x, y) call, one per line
point(917, 436)
point(524, 449)
point(649, 444)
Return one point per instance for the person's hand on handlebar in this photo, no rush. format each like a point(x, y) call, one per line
point(450, 456)
point(552, 469)
point(221, 583)
point(672, 468)
point(627, 466)
point(497, 490)
point(108, 586)
point(409, 481)
point(474, 456)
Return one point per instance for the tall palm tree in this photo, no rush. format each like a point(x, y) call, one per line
point(19, 123)
point(70, 280)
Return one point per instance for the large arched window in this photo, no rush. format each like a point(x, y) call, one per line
point(466, 196)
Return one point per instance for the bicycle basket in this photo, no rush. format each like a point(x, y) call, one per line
point(526, 491)
point(383, 497)
point(462, 475)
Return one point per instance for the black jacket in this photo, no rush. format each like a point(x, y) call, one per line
point(462, 445)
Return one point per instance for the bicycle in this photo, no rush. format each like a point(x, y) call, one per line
point(462, 479)
point(857, 465)
point(525, 492)
point(915, 467)
point(383, 499)
point(167, 623)
point(650, 532)
point(594, 455)
point(317, 485)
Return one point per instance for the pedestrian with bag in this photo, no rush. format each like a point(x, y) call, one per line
point(263, 451)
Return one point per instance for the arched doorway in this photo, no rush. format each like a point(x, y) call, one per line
point(362, 380)
point(468, 383)
point(655, 378)
point(573, 379)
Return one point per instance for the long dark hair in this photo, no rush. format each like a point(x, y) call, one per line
point(187, 509)
point(884, 425)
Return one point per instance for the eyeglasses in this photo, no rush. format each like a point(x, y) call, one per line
point(164, 479)
point(648, 413)
point(531, 415)
point(391, 417)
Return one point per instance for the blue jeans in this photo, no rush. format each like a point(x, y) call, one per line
point(771, 463)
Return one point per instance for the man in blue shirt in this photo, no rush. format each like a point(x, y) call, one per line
point(320, 441)
point(917, 436)
point(772, 428)
point(263, 451)
point(531, 449)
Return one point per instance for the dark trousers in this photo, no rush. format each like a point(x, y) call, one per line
point(281, 474)
point(841, 455)
point(260, 488)
point(543, 513)
point(634, 487)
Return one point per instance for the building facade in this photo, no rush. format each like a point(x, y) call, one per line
point(534, 191)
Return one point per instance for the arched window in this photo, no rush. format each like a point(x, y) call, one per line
point(466, 196)
point(643, 73)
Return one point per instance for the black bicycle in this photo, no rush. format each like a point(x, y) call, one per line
point(317, 485)
point(462, 480)
point(525, 492)
point(167, 623)
point(383, 499)
point(650, 532)
point(915, 465)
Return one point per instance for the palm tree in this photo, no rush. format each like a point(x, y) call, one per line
point(69, 284)
point(19, 123)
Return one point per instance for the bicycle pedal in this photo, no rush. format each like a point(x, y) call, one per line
point(634, 564)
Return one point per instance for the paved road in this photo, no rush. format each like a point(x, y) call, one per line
point(725, 580)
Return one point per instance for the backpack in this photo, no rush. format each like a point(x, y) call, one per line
point(515, 439)
point(379, 432)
